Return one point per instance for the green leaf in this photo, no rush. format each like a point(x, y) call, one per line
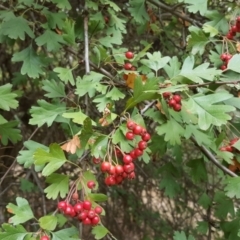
point(27, 186)
point(9, 133)
point(59, 186)
point(197, 6)
point(66, 234)
point(77, 117)
point(155, 61)
point(173, 67)
point(115, 94)
point(182, 236)
point(7, 98)
point(138, 11)
point(204, 200)
point(16, 27)
point(99, 146)
point(51, 39)
point(102, 101)
point(209, 114)
point(54, 89)
point(99, 232)
point(199, 73)
point(62, 4)
point(22, 211)
point(210, 29)
point(232, 187)
point(234, 63)
point(55, 158)
point(13, 232)
point(48, 222)
point(111, 4)
point(86, 132)
point(46, 113)
point(98, 197)
point(143, 91)
point(54, 20)
point(69, 32)
point(219, 20)
point(32, 64)
point(202, 227)
point(198, 170)
point(197, 40)
point(172, 130)
point(26, 156)
point(65, 75)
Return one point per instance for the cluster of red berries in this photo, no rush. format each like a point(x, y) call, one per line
point(234, 29)
point(229, 148)
point(128, 65)
point(174, 101)
point(225, 57)
point(117, 173)
point(83, 211)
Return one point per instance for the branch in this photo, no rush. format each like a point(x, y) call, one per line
point(218, 83)
point(86, 43)
point(174, 12)
point(212, 158)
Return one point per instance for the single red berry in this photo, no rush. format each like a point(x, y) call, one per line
point(127, 159)
point(143, 132)
point(133, 68)
point(62, 205)
point(127, 66)
point(119, 169)
point(166, 95)
point(138, 152)
point(112, 170)
point(233, 141)
point(177, 98)
point(75, 196)
point(142, 145)
point(78, 207)
point(118, 153)
point(73, 213)
point(238, 19)
point(229, 148)
point(119, 179)
point(82, 215)
point(124, 175)
point(229, 56)
point(91, 184)
point(171, 102)
point(132, 154)
point(137, 130)
point(91, 214)
point(234, 29)
point(129, 55)
point(98, 210)
point(223, 56)
point(130, 124)
point(177, 107)
point(128, 168)
point(95, 220)
point(69, 210)
point(229, 36)
point(87, 221)
point(146, 137)
point(129, 135)
point(96, 160)
point(131, 175)
point(110, 181)
point(232, 32)
point(87, 205)
point(45, 237)
point(223, 149)
point(105, 166)
point(223, 67)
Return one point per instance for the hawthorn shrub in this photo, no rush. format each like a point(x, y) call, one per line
point(119, 119)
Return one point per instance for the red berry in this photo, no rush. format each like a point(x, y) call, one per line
point(124, 175)
point(95, 220)
point(130, 124)
point(98, 210)
point(223, 67)
point(223, 56)
point(129, 55)
point(45, 237)
point(128, 168)
point(229, 36)
point(132, 154)
point(119, 179)
point(177, 107)
point(166, 95)
point(91, 214)
point(127, 66)
point(142, 145)
point(75, 196)
point(119, 169)
point(110, 181)
point(171, 102)
point(112, 170)
point(223, 149)
point(133, 68)
point(137, 130)
point(87, 221)
point(87, 205)
point(62, 205)
point(229, 56)
point(146, 137)
point(105, 166)
point(96, 160)
point(131, 175)
point(177, 98)
point(129, 136)
point(233, 141)
point(78, 207)
point(238, 19)
point(91, 184)
point(82, 215)
point(229, 149)
point(138, 152)
point(234, 29)
point(127, 159)
point(69, 210)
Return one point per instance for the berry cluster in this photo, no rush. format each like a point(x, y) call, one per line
point(174, 101)
point(116, 173)
point(225, 57)
point(83, 211)
point(128, 65)
point(229, 148)
point(234, 29)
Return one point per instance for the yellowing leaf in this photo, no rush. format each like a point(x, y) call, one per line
point(130, 79)
point(72, 145)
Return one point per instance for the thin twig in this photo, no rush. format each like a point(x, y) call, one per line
point(218, 83)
